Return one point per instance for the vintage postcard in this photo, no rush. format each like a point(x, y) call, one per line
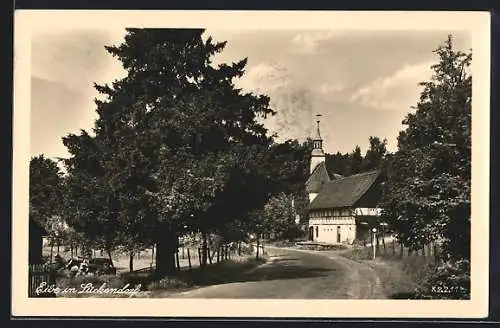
point(251, 164)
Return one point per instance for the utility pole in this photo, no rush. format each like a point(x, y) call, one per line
point(374, 230)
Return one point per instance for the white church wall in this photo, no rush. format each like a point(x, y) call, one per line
point(312, 196)
point(315, 160)
point(327, 228)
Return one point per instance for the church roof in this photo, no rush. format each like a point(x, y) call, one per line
point(344, 192)
point(318, 178)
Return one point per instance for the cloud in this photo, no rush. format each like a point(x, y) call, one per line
point(75, 58)
point(64, 66)
point(327, 88)
point(265, 77)
point(292, 100)
point(308, 43)
point(398, 91)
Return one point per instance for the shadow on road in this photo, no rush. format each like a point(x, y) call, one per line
point(285, 259)
point(282, 268)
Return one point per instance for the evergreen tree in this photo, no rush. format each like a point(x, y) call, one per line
point(375, 154)
point(175, 144)
point(355, 161)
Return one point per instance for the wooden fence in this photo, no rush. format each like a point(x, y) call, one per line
point(39, 273)
point(393, 249)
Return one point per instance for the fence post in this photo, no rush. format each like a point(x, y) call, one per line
point(152, 254)
point(177, 260)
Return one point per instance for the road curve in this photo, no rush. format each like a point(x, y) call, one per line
point(299, 274)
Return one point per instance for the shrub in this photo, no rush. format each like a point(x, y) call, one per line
point(450, 280)
point(167, 283)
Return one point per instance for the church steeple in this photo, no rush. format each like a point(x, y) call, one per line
point(318, 142)
point(317, 154)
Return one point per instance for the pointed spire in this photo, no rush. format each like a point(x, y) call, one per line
point(317, 154)
point(318, 135)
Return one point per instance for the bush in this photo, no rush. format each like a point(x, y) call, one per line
point(450, 280)
point(168, 283)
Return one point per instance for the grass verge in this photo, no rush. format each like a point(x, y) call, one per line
point(400, 276)
point(213, 274)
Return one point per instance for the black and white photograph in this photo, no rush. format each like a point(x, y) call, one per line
point(234, 158)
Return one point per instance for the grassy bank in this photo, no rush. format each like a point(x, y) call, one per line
point(218, 273)
point(399, 274)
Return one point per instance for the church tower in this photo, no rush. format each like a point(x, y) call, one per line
point(317, 154)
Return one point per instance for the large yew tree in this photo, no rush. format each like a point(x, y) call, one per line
point(428, 190)
point(175, 144)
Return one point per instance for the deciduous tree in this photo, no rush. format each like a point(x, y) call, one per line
point(428, 192)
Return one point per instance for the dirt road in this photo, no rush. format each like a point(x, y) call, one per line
point(299, 274)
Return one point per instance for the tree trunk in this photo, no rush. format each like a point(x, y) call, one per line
point(165, 254)
point(239, 248)
point(210, 256)
point(110, 258)
point(204, 249)
point(189, 259)
point(258, 246)
point(131, 261)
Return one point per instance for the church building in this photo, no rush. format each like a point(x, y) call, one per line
point(341, 209)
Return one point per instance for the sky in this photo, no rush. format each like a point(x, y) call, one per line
point(362, 82)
